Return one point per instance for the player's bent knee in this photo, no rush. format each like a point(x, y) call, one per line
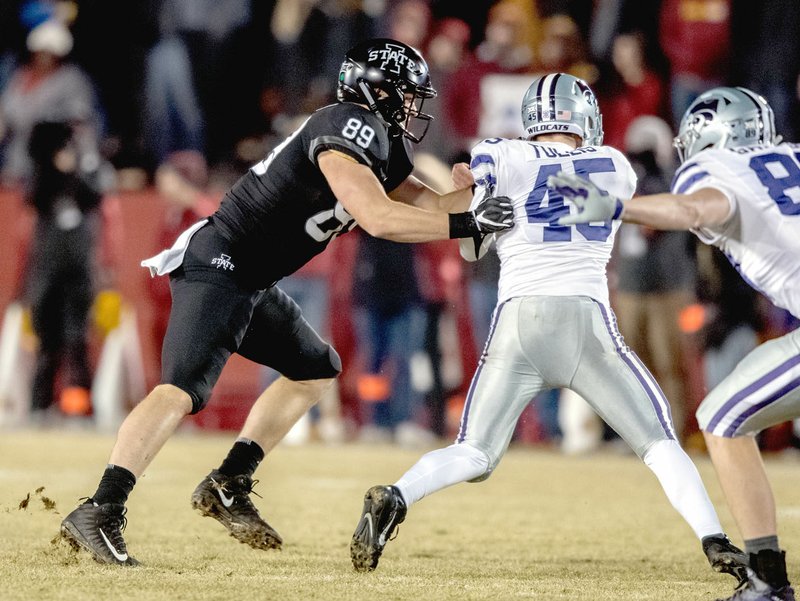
point(478, 458)
point(172, 395)
point(198, 393)
point(312, 390)
point(316, 387)
point(321, 365)
point(654, 447)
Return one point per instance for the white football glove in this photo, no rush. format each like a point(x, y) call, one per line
point(593, 203)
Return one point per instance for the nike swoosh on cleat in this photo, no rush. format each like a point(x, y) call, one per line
point(226, 501)
point(368, 517)
point(114, 552)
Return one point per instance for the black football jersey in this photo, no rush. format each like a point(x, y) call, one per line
point(282, 212)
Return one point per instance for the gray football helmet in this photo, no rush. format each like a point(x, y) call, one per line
point(562, 103)
point(725, 118)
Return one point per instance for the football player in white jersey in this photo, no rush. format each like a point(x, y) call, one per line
point(738, 188)
point(553, 326)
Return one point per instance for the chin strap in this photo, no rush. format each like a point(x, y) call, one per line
point(367, 92)
point(372, 103)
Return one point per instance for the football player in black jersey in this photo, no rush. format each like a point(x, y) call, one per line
point(349, 163)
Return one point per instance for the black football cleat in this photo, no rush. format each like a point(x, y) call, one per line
point(98, 530)
point(725, 557)
point(227, 500)
point(384, 509)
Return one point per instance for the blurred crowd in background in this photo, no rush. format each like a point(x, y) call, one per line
point(178, 98)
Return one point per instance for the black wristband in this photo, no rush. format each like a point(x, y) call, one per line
point(463, 225)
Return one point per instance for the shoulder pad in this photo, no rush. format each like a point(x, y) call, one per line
point(351, 129)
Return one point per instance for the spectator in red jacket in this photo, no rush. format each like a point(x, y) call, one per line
point(695, 37)
point(507, 48)
point(639, 90)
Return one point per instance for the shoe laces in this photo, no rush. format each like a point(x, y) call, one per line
point(111, 521)
point(110, 517)
point(240, 487)
point(245, 484)
point(236, 485)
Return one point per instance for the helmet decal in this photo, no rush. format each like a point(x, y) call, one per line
point(709, 106)
point(393, 58)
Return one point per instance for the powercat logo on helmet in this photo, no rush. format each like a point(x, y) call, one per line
point(707, 110)
point(392, 53)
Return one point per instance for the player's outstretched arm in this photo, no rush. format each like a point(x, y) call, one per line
point(418, 194)
point(361, 194)
point(706, 207)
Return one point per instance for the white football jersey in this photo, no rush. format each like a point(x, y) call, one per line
point(538, 256)
point(761, 236)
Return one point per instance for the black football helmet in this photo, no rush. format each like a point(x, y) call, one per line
point(380, 73)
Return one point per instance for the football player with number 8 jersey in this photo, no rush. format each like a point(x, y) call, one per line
point(349, 163)
point(553, 326)
point(737, 188)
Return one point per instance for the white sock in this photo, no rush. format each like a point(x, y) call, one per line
point(684, 488)
point(442, 468)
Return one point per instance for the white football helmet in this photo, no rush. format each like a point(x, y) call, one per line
point(725, 118)
point(562, 103)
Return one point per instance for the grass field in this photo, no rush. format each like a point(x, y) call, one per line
point(543, 527)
